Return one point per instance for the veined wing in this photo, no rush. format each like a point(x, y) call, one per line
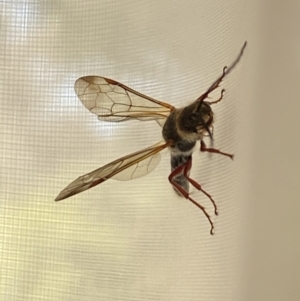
point(113, 101)
point(129, 167)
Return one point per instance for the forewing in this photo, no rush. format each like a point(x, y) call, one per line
point(129, 167)
point(113, 101)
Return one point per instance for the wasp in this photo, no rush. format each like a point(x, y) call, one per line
point(181, 129)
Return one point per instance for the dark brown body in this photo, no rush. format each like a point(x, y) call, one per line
point(184, 127)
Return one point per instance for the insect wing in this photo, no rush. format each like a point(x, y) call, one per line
point(113, 101)
point(139, 169)
point(129, 167)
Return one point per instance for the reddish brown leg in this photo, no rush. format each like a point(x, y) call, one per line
point(203, 148)
point(188, 166)
point(218, 100)
point(184, 168)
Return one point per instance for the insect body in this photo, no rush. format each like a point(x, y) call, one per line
point(182, 128)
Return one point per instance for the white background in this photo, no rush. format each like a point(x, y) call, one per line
point(137, 240)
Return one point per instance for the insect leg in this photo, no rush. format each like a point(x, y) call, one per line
point(219, 99)
point(204, 148)
point(226, 71)
point(185, 194)
point(186, 170)
point(180, 179)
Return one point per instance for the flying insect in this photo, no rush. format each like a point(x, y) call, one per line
point(181, 129)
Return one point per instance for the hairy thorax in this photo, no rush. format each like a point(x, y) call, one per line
point(185, 126)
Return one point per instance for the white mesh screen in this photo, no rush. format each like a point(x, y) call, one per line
point(137, 240)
